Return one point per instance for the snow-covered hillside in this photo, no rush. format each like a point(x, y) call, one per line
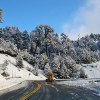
point(8, 65)
point(92, 70)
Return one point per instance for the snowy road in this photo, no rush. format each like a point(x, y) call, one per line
point(46, 91)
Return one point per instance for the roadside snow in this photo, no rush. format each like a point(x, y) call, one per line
point(95, 87)
point(86, 83)
point(77, 82)
point(9, 83)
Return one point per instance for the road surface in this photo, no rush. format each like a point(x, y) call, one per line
point(47, 91)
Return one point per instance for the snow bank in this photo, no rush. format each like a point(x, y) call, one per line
point(75, 82)
point(9, 83)
point(87, 83)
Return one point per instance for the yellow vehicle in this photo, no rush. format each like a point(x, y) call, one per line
point(50, 77)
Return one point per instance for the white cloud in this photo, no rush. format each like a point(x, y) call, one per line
point(85, 21)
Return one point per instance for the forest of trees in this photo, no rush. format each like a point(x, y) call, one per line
point(50, 52)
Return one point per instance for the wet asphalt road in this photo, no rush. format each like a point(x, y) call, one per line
point(48, 91)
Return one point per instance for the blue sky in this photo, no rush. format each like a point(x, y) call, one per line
point(62, 15)
point(26, 14)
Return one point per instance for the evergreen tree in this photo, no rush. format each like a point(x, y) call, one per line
point(19, 61)
point(18, 39)
point(25, 40)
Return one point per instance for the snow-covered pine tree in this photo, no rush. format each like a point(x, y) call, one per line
point(17, 39)
point(25, 40)
point(47, 69)
point(19, 61)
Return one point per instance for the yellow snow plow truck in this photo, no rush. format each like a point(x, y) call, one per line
point(50, 77)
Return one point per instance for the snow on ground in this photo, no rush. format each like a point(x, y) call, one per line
point(16, 75)
point(1, 78)
point(86, 83)
point(92, 70)
point(11, 82)
point(76, 82)
point(95, 87)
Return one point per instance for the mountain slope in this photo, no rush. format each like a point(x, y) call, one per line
point(9, 71)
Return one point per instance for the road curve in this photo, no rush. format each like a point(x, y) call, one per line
point(46, 91)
